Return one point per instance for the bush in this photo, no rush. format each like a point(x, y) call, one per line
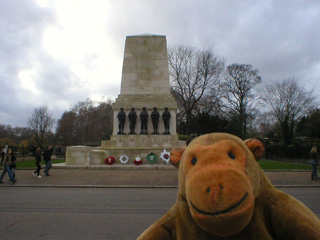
point(278, 150)
point(187, 138)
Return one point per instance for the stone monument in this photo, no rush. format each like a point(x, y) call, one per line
point(145, 89)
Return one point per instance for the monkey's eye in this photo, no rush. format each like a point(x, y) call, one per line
point(231, 155)
point(194, 160)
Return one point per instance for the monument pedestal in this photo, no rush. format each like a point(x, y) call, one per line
point(144, 84)
point(130, 145)
point(139, 145)
point(141, 142)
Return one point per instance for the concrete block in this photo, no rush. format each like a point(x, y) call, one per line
point(78, 155)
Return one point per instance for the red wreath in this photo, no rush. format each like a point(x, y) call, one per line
point(109, 160)
point(137, 162)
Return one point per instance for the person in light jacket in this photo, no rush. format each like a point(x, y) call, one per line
point(314, 162)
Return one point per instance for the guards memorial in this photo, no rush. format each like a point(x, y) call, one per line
point(144, 114)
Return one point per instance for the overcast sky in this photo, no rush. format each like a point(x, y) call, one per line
point(57, 53)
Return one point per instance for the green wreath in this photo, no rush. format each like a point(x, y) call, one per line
point(151, 157)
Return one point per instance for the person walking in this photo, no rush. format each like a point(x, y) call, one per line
point(314, 162)
point(3, 153)
point(6, 166)
point(13, 164)
point(36, 173)
point(47, 159)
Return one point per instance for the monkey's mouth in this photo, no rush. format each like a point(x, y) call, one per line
point(223, 211)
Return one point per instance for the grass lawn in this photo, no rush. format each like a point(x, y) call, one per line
point(265, 164)
point(32, 163)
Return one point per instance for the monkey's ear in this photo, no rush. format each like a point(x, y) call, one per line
point(256, 147)
point(175, 156)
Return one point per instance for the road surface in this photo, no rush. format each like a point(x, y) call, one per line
point(94, 213)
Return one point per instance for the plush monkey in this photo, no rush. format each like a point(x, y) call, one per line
point(224, 194)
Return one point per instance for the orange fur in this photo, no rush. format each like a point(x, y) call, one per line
point(224, 194)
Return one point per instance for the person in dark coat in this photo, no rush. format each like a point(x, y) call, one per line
point(36, 173)
point(2, 155)
point(13, 165)
point(47, 159)
point(6, 166)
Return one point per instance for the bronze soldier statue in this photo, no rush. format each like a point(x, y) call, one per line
point(166, 115)
point(155, 120)
point(144, 121)
point(121, 118)
point(132, 119)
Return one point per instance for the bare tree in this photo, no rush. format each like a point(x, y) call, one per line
point(193, 73)
point(265, 124)
point(41, 122)
point(66, 129)
point(237, 92)
point(87, 123)
point(83, 120)
point(289, 103)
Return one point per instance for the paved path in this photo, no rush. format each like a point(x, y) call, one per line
point(134, 176)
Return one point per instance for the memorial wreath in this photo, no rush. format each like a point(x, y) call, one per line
point(151, 157)
point(165, 156)
point(124, 159)
point(137, 161)
point(109, 160)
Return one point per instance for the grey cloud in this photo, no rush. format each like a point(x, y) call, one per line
point(278, 37)
point(21, 25)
